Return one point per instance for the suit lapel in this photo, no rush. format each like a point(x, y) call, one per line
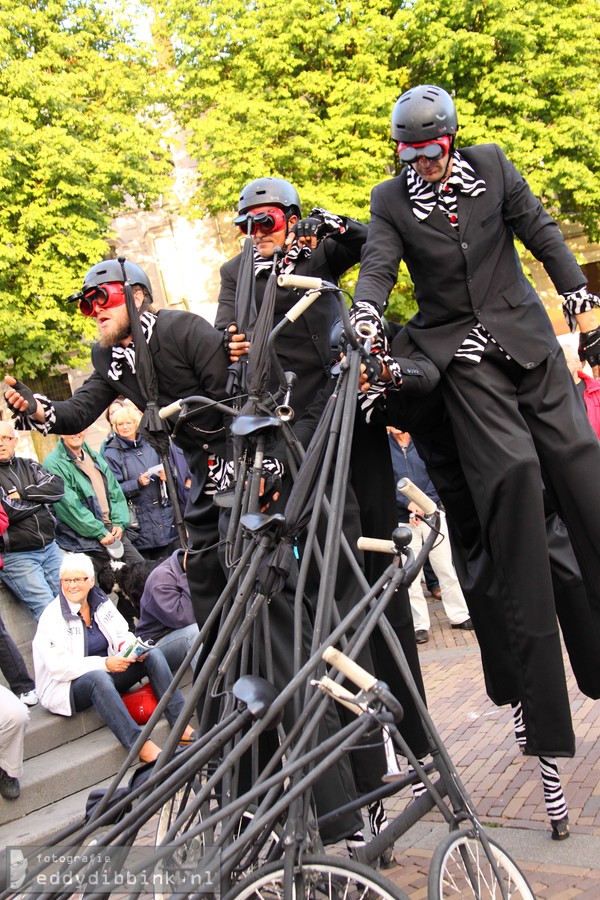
point(440, 222)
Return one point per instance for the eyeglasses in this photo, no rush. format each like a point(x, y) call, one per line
point(431, 150)
point(7, 440)
point(77, 581)
point(267, 221)
point(103, 296)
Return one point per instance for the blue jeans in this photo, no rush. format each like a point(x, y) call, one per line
point(102, 690)
point(32, 575)
point(176, 643)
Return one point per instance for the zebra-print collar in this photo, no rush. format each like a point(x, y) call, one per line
point(424, 196)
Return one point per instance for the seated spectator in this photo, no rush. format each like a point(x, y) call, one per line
point(93, 514)
point(137, 467)
point(408, 464)
point(166, 614)
point(77, 662)
point(31, 555)
point(14, 718)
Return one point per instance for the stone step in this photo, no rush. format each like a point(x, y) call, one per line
point(68, 769)
point(47, 731)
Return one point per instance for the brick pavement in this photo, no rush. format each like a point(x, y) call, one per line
point(504, 785)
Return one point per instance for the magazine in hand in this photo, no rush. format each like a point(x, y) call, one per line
point(136, 648)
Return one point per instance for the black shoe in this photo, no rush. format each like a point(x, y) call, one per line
point(560, 829)
point(9, 787)
point(467, 625)
point(421, 636)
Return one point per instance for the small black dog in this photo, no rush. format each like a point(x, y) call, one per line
point(127, 580)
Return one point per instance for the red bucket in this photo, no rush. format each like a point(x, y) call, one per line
point(140, 703)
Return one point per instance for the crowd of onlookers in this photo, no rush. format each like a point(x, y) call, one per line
point(74, 529)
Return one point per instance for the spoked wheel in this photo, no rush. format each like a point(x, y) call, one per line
point(460, 867)
point(168, 868)
point(318, 878)
point(171, 868)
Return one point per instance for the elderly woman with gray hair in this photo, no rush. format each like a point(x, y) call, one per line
point(76, 654)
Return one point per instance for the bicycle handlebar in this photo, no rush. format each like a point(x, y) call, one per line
point(166, 412)
point(375, 545)
point(406, 486)
point(301, 281)
point(361, 678)
point(339, 693)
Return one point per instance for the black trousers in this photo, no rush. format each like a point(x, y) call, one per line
point(515, 430)
point(13, 665)
point(205, 574)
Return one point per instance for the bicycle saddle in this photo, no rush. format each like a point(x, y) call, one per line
point(257, 523)
point(257, 694)
point(246, 425)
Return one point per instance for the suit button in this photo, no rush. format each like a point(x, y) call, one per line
point(477, 312)
point(205, 446)
point(464, 245)
point(315, 337)
point(529, 365)
point(469, 280)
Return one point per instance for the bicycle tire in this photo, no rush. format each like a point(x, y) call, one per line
point(459, 851)
point(168, 869)
point(319, 878)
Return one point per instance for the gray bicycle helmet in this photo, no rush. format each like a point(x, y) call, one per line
point(423, 113)
point(269, 191)
point(110, 270)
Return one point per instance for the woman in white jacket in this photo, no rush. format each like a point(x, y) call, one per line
point(76, 655)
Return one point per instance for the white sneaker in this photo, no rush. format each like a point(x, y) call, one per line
point(30, 698)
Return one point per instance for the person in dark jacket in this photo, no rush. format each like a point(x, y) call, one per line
point(408, 464)
point(137, 467)
point(166, 612)
point(188, 358)
point(452, 216)
point(31, 555)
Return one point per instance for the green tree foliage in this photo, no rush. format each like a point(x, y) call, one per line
point(76, 144)
point(305, 92)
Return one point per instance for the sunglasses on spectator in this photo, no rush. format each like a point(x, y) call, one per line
point(267, 221)
point(104, 296)
point(431, 150)
point(77, 581)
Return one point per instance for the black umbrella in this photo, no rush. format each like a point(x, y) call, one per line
point(245, 315)
point(152, 427)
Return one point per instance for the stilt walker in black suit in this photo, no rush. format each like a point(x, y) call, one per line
point(452, 216)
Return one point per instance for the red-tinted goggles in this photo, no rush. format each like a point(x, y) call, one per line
point(409, 153)
point(267, 221)
point(104, 296)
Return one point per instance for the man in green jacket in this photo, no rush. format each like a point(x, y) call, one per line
point(93, 514)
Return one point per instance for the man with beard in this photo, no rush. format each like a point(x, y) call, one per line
point(187, 358)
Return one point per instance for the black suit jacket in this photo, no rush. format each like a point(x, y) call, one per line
point(471, 273)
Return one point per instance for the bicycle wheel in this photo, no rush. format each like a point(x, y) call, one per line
point(318, 878)
point(168, 871)
point(168, 868)
point(460, 867)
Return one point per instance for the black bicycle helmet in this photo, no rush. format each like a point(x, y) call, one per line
point(269, 191)
point(111, 270)
point(423, 113)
